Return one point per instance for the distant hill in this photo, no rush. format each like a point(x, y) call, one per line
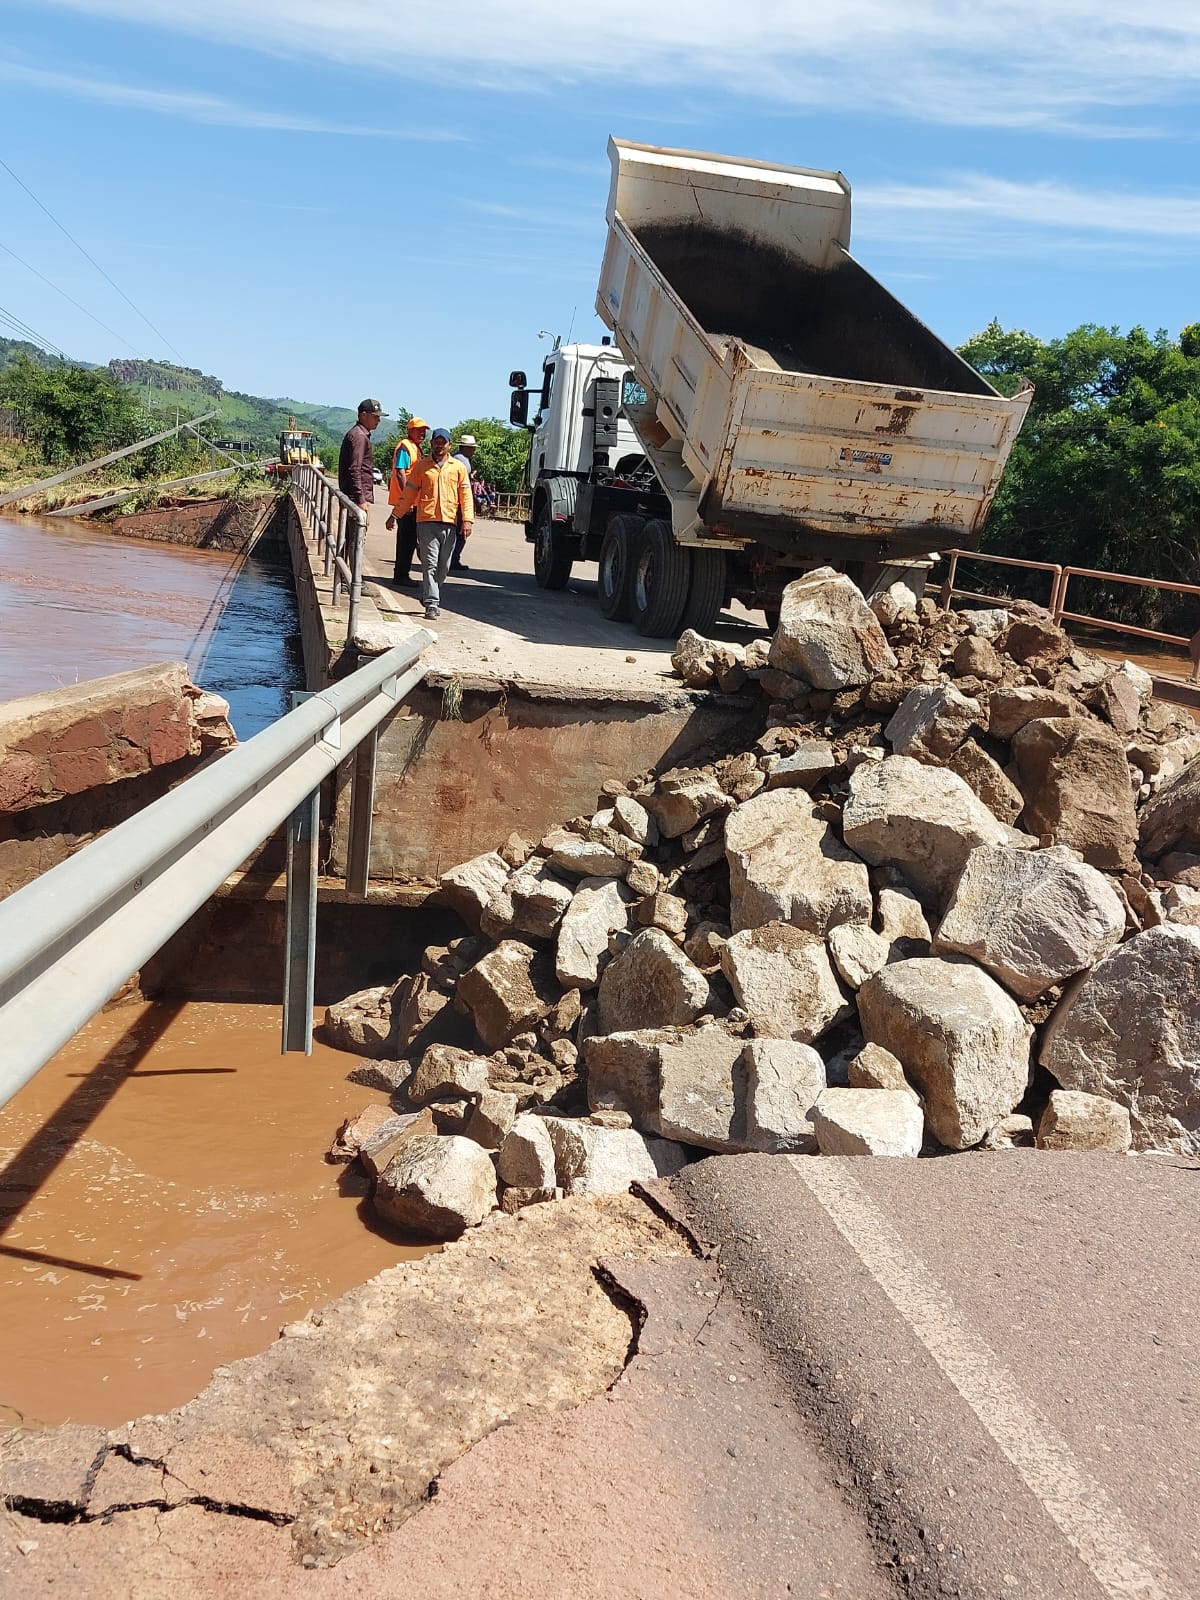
point(163, 387)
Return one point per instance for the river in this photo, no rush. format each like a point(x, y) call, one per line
point(79, 603)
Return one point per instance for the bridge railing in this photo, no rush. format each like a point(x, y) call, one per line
point(340, 529)
point(72, 937)
point(512, 507)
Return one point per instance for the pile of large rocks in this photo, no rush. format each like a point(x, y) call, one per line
point(947, 895)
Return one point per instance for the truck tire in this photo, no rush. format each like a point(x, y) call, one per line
point(662, 572)
point(706, 594)
point(551, 564)
point(617, 560)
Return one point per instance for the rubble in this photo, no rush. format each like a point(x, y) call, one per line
point(947, 845)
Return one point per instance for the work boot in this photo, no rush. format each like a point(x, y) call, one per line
point(432, 613)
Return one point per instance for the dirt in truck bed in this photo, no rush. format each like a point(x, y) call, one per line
point(840, 323)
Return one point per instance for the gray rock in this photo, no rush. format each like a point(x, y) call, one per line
point(1171, 820)
point(526, 1158)
point(631, 818)
point(804, 768)
point(492, 1118)
point(932, 721)
point(787, 865)
point(962, 1041)
point(976, 657)
point(1130, 1030)
point(364, 1022)
point(470, 886)
point(390, 1137)
point(922, 819)
point(1075, 779)
point(682, 799)
point(446, 1072)
point(531, 904)
point(665, 911)
point(827, 633)
point(1074, 1120)
point(989, 623)
point(783, 978)
point(702, 1091)
point(600, 907)
point(692, 659)
point(592, 1160)
point(900, 915)
point(588, 858)
point(508, 991)
point(868, 1122)
point(876, 1068)
point(1013, 1132)
point(858, 952)
point(783, 1080)
point(1031, 917)
point(437, 1187)
point(624, 1071)
point(651, 984)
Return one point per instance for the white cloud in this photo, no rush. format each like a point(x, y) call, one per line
point(206, 108)
point(1078, 64)
point(975, 214)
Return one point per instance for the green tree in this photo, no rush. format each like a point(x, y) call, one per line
point(71, 413)
point(1106, 471)
point(502, 450)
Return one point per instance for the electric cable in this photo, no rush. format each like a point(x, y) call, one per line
point(25, 332)
point(50, 284)
point(156, 331)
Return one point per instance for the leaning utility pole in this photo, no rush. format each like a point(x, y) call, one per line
point(30, 489)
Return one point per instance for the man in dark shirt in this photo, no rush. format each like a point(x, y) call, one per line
point(356, 463)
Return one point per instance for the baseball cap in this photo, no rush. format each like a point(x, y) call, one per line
point(372, 405)
point(442, 433)
point(417, 422)
point(467, 438)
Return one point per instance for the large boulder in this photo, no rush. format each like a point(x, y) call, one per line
point(508, 991)
point(868, 1122)
point(702, 1091)
point(364, 1022)
point(651, 984)
point(531, 903)
point(922, 819)
point(594, 1160)
point(447, 1073)
point(988, 779)
point(1075, 779)
point(787, 865)
point(682, 799)
point(470, 886)
point(1130, 1030)
point(599, 907)
point(624, 1070)
point(437, 1186)
point(783, 1081)
point(1171, 820)
point(1010, 708)
point(526, 1158)
point(1031, 917)
point(827, 633)
point(783, 977)
point(961, 1039)
point(932, 721)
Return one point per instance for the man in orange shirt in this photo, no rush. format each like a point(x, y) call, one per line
point(442, 492)
point(404, 458)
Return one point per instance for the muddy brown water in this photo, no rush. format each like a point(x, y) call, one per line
point(165, 1208)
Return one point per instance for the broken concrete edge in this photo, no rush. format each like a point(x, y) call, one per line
point(656, 698)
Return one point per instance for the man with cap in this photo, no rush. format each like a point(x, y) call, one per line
point(400, 497)
point(465, 453)
point(442, 493)
point(356, 463)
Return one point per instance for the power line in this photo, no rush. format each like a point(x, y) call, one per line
point(156, 331)
point(24, 331)
point(50, 284)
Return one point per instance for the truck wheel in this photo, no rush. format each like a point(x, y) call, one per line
point(615, 579)
point(551, 564)
point(706, 595)
point(661, 574)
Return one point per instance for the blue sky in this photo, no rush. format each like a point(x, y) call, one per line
point(329, 198)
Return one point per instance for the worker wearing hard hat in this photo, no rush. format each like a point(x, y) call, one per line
point(403, 501)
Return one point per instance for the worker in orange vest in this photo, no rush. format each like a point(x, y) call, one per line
point(402, 500)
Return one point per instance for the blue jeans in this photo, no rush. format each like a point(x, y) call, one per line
point(435, 541)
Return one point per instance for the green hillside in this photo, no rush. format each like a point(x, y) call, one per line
point(165, 389)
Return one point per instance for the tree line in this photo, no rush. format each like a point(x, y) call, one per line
point(500, 455)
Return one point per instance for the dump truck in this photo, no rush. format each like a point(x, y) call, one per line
point(764, 405)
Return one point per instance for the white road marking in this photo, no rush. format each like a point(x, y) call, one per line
point(1114, 1553)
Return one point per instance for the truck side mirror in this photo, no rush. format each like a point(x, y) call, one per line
point(517, 380)
point(518, 407)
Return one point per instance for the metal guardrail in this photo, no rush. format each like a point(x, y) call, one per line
point(1060, 580)
point(512, 508)
point(340, 527)
point(71, 938)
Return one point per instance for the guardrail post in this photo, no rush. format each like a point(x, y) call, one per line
point(300, 933)
point(356, 542)
point(947, 591)
point(362, 806)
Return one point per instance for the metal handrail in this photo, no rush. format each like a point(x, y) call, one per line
point(72, 937)
point(340, 527)
point(948, 589)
